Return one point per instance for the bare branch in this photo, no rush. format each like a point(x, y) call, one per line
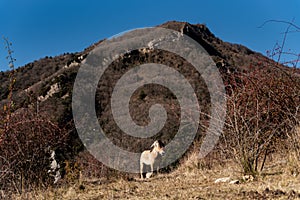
point(280, 21)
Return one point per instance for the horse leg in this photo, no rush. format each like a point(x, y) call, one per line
point(141, 169)
point(148, 175)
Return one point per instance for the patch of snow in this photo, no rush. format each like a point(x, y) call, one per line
point(53, 89)
point(54, 168)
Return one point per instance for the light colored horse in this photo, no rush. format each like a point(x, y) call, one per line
point(148, 157)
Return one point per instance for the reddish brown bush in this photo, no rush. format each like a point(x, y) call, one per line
point(262, 107)
point(25, 144)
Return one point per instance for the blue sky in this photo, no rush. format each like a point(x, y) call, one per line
point(39, 28)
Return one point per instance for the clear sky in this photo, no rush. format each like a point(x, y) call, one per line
point(39, 28)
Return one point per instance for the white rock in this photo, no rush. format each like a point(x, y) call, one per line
point(222, 180)
point(234, 182)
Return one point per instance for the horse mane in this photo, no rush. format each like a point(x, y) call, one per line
point(160, 143)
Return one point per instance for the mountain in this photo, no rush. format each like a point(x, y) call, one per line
point(44, 89)
point(34, 80)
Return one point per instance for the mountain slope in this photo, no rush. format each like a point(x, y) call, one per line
point(44, 88)
point(35, 79)
point(46, 85)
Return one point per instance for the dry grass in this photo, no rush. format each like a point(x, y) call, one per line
point(192, 180)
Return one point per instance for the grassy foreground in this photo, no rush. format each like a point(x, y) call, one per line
point(187, 182)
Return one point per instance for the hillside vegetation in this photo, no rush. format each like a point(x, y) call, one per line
point(260, 137)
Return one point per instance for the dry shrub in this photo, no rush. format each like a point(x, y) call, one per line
point(90, 166)
point(294, 139)
point(293, 152)
point(25, 143)
point(262, 107)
